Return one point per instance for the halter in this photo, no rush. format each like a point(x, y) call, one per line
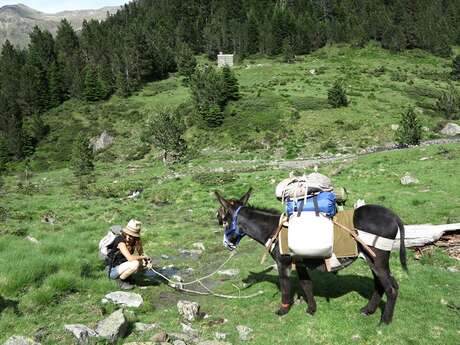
point(233, 230)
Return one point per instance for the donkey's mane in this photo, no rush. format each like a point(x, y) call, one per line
point(271, 211)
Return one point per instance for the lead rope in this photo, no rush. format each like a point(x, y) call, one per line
point(179, 286)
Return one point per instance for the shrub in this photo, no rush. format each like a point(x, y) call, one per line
point(214, 179)
point(410, 130)
point(336, 96)
point(82, 156)
point(455, 73)
point(164, 129)
point(448, 103)
point(186, 62)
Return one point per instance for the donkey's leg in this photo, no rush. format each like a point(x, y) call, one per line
point(307, 286)
point(376, 297)
point(382, 270)
point(284, 270)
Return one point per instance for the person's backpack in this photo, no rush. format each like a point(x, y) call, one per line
point(107, 240)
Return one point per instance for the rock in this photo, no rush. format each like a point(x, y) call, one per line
point(80, 332)
point(177, 278)
point(231, 272)
point(187, 329)
point(244, 332)
point(199, 245)
point(20, 340)
point(356, 337)
point(32, 239)
point(189, 310)
point(220, 336)
point(179, 342)
point(312, 71)
point(191, 253)
point(142, 343)
point(424, 158)
point(408, 179)
point(164, 256)
point(48, 219)
point(123, 298)
point(113, 327)
point(186, 338)
point(160, 337)
point(452, 269)
point(102, 142)
point(41, 333)
point(451, 129)
point(144, 327)
point(394, 127)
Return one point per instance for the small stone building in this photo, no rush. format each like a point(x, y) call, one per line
point(224, 60)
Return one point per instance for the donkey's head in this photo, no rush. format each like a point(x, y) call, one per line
point(226, 216)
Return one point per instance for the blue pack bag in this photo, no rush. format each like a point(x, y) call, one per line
point(326, 204)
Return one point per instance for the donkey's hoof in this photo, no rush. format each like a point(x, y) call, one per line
point(282, 311)
point(311, 311)
point(366, 312)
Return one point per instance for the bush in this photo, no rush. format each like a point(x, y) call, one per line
point(336, 96)
point(164, 129)
point(448, 103)
point(455, 73)
point(82, 156)
point(410, 130)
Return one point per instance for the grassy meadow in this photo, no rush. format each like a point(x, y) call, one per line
point(283, 114)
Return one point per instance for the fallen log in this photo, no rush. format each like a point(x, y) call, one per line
point(422, 234)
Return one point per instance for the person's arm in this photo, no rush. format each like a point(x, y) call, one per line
point(124, 250)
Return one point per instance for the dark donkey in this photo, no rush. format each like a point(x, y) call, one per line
point(239, 220)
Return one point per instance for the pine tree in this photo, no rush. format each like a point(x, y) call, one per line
point(186, 62)
point(253, 34)
point(410, 130)
point(336, 96)
point(94, 87)
point(82, 156)
point(455, 73)
point(448, 103)
point(55, 87)
point(230, 84)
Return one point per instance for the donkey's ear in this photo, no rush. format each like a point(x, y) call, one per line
point(225, 204)
point(245, 198)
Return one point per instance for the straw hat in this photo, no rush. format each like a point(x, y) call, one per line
point(133, 228)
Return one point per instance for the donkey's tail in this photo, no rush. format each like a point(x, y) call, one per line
point(402, 247)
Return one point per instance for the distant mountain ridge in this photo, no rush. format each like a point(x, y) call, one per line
point(16, 21)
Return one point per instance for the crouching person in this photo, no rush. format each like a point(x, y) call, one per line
point(122, 261)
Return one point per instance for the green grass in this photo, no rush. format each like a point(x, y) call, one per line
point(61, 281)
point(283, 113)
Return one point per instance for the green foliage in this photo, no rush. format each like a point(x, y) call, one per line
point(82, 156)
point(186, 62)
point(448, 103)
point(455, 72)
point(164, 129)
point(410, 130)
point(230, 84)
point(94, 87)
point(4, 158)
point(209, 95)
point(336, 96)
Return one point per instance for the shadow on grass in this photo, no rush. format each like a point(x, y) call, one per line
point(8, 303)
point(327, 285)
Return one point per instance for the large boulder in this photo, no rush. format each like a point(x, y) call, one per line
point(112, 327)
point(451, 129)
point(123, 298)
point(101, 142)
point(80, 332)
point(20, 340)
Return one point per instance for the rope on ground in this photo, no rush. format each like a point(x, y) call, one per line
point(179, 286)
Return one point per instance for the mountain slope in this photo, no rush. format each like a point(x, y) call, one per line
point(16, 21)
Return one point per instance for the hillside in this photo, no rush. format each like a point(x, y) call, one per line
point(16, 21)
point(50, 274)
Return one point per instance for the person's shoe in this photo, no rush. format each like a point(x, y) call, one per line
point(124, 285)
